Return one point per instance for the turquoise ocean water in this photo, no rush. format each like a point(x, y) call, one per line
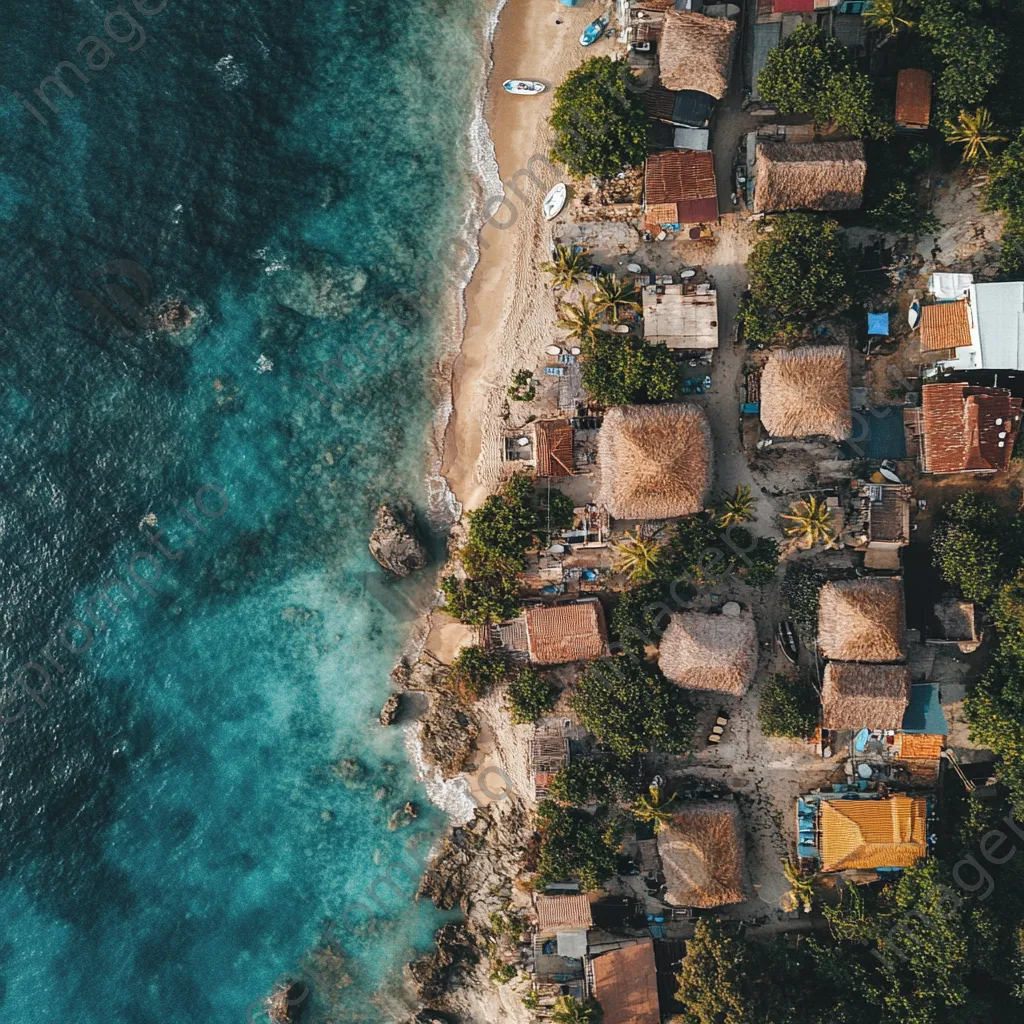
point(172, 835)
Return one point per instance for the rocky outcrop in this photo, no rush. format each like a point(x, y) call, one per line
point(447, 734)
point(432, 974)
point(394, 543)
point(285, 1004)
point(403, 816)
point(172, 316)
point(425, 674)
point(392, 706)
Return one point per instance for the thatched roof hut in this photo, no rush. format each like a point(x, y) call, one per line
point(862, 620)
point(806, 391)
point(696, 52)
point(823, 176)
point(710, 652)
point(656, 461)
point(864, 696)
point(702, 855)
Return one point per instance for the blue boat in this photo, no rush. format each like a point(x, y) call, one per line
point(593, 31)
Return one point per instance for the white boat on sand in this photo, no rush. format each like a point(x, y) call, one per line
point(522, 87)
point(554, 201)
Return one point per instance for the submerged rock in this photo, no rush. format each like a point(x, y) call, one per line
point(172, 316)
point(286, 1003)
point(349, 770)
point(324, 288)
point(447, 734)
point(392, 707)
point(394, 543)
point(403, 816)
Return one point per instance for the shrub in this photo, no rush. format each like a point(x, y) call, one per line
point(641, 616)
point(573, 846)
point(622, 369)
point(476, 670)
point(762, 562)
point(581, 781)
point(478, 601)
point(788, 707)
point(529, 696)
point(801, 587)
point(970, 546)
point(599, 120)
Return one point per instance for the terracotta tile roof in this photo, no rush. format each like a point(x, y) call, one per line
point(921, 745)
point(685, 178)
point(558, 913)
point(959, 429)
point(564, 633)
point(873, 833)
point(553, 439)
point(913, 98)
point(945, 325)
point(626, 985)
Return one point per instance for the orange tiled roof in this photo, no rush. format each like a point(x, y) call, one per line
point(872, 833)
point(558, 913)
point(959, 428)
point(554, 447)
point(945, 325)
point(626, 985)
point(913, 98)
point(564, 633)
point(921, 745)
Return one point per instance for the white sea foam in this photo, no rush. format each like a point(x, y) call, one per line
point(452, 796)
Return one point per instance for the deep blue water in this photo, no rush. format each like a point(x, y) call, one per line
point(172, 835)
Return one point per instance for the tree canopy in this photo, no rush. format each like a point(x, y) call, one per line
point(622, 369)
point(574, 845)
point(788, 707)
point(598, 119)
point(799, 271)
point(632, 708)
point(811, 73)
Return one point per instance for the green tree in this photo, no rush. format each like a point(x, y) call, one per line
point(799, 271)
point(803, 889)
point(581, 320)
point(568, 1010)
point(582, 780)
point(801, 586)
point(522, 388)
point(573, 846)
point(811, 522)
point(811, 73)
point(969, 547)
point(612, 296)
point(621, 369)
point(713, 977)
point(641, 616)
point(788, 707)
point(1004, 189)
point(654, 807)
point(476, 670)
point(737, 508)
point(477, 601)
point(530, 695)
point(568, 267)
point(890, 16)
point(975, 132)
point(598, 119)
point(696, 552)
point(637, 556)
point(632, 708)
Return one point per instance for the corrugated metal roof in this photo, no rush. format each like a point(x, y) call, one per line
point(999, 309)
point(685, 177)
point(913, 98)
point(766, 38)
point(626, 986)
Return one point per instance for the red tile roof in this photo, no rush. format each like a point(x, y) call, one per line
point(959, 428)
point(564, 633)
point(554, 447)
point(626, 986)
point(792, 6)
point(561, 913)
point(945, 325)
point(913, 98)
point(685, 177)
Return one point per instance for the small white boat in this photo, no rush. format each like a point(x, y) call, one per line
point(621, 328)
point(554, 201)
point(633, 268)
point(523, 87)
point(914, 314)
point(553, 350)
point(686, 274)
point(575, 350)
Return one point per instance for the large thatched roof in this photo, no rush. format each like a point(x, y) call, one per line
point(862, 620)
point(857, 696)
point(806, 391)
point(655, 461)
point(809, 176)
point(702, 855)
point(696, 52)
point(710, 652)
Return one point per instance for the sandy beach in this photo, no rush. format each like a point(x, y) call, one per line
point(510, 308)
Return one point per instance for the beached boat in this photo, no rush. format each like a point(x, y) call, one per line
point(914, 314)
point(554, 201)
point(785, 632)
point(523, 87)
point(593, 31)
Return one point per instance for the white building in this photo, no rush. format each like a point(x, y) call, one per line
point(995, 319)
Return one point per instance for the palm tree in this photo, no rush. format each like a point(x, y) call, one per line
point(812, 521)
point(654, 808)
point(568, 266)
point(803, 889)
point(888, 15)
point(580, 320)
point(637, 556)
point(571, 1011)
point(613, 294)
point(739, 508)
point(974, 132)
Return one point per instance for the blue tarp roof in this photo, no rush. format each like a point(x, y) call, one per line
point(925, 714)
point(878, 323)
